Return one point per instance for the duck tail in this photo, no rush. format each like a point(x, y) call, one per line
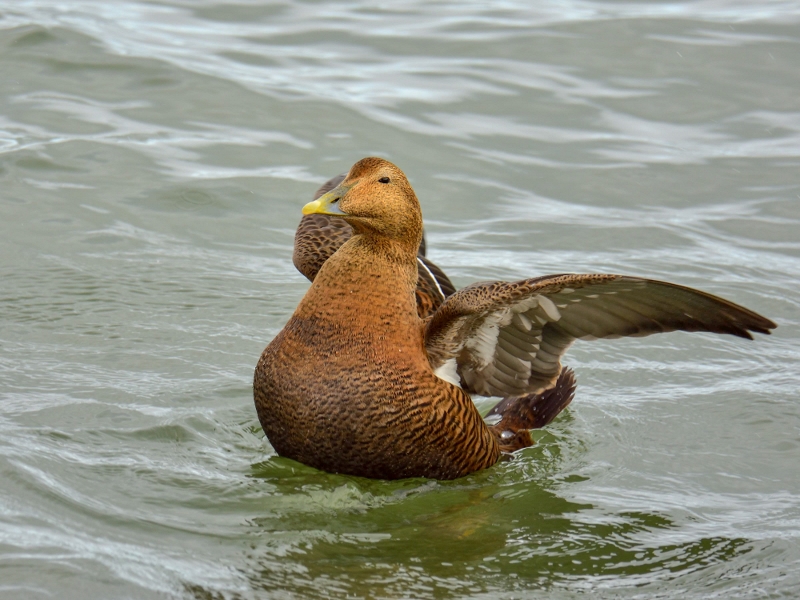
point(532, 411)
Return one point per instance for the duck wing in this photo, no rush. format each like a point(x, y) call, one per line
point(506, 339)
point(319, 236)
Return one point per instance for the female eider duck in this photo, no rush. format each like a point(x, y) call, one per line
point(371, 376)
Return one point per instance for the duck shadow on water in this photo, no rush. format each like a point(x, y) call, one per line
point(502, 530)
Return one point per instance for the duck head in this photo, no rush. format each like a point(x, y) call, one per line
point(376, 200)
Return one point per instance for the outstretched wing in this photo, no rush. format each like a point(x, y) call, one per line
point(507, 339)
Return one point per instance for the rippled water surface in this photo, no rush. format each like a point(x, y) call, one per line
point(154, 157)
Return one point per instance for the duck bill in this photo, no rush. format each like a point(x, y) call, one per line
point(327, 204)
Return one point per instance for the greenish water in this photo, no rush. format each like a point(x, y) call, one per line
point(154, 157)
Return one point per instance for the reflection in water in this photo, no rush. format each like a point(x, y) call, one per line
point(500, 531)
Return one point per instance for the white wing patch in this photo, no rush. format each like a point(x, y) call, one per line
point(507, 347)
point(449, 372)
point(422, 264)
point(483, 341)
point(549, 308)
point(492, 419)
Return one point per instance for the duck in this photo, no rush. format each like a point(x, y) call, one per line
point(364, 380)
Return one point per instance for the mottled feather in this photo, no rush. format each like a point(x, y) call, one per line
point(508, 338)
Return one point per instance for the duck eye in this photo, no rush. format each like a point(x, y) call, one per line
point(384, 180)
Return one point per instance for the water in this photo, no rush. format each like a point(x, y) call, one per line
point(153, 160)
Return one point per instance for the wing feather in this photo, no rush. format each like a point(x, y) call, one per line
point(508, 338)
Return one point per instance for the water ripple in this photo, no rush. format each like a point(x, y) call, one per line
point(153, 160)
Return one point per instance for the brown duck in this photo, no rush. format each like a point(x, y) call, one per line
point(365, 379)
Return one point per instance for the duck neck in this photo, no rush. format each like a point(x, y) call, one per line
point(369, 280)
point(401, 255)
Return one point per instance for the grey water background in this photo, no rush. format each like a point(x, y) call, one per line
point(154, 157)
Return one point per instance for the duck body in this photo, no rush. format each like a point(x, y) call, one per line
point(347, 386)
point(367, 380)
